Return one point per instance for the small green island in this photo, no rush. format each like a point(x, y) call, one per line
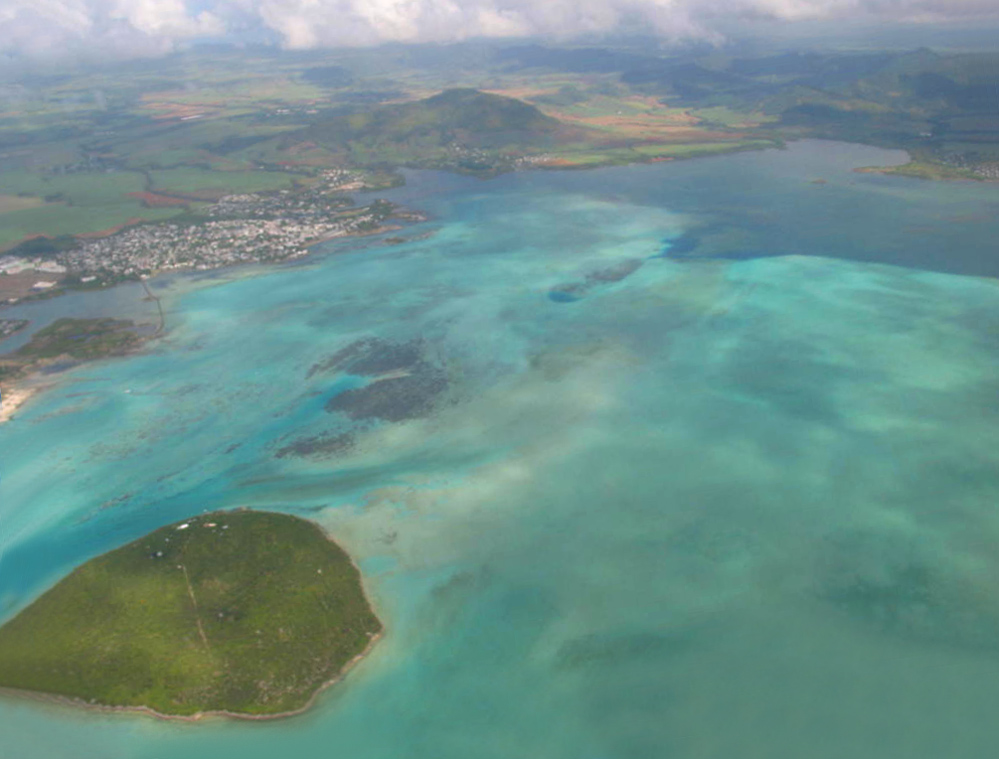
point(242, 613)
point(74, 341)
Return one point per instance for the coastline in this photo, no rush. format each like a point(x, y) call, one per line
point(18, 393)
point(76, 703)
point(32, 382)
point(14, 397)
point(933, 172)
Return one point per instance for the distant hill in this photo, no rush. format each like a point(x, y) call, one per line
point(942, 108)
point(459, 129)
point(467, 116)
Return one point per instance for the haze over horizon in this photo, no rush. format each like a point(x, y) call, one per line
point(105, 29)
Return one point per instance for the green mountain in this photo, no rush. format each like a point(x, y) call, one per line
point(462, 115)
point(459, 129)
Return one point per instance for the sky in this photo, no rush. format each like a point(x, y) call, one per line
point(50, 29)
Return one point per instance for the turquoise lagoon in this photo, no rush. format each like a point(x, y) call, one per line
point(741, 501)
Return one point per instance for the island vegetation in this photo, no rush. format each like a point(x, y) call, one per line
point(70, 342)
point(81, 340)
point(241, 613)
point(460, 129)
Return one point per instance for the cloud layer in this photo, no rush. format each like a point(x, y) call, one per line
point(97, 28)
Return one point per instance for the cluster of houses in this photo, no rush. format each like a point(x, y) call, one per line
point(246, 228)
point(241, 229)
point(143, 250)
point(983, 166)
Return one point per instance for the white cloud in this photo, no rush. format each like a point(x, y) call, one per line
point(98, 28)
point(43, 28)
point(165, 18)
point(315, 23)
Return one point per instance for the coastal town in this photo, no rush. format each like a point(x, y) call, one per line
point(975, 163)
point(144, 250)
point(237, 229)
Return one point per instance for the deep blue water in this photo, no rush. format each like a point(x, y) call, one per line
point(733, 500)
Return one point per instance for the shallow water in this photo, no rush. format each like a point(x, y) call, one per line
point(127, 301)
point(737, 506)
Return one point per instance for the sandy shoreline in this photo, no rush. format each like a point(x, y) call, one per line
point(13, 397)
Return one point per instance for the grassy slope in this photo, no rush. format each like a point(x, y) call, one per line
point(280, 607)
point(421, 132)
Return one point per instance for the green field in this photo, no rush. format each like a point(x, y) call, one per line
point(731, 118)
point(52, 221)
point(587, 156)
point(243, 612)
point(696, 149)
point(206, 182)
point(78, 203)
point(89, 202)
point(207, 142)
point(205, 124)
point(86, 189)
point(924, 170)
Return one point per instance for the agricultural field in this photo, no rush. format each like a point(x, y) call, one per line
point(83, 203)
point(236, 97)
point(207, 184)
point(12, 203)
point(91, 152)
point(589, 156)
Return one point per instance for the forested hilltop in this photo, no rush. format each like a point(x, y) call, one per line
point(242, 612)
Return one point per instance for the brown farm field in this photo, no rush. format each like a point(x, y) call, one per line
point(630, 117)
point(17, 286)
point(9, 203)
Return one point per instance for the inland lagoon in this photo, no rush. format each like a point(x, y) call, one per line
point(730, 493)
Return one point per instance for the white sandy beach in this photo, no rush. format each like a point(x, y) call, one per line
point(13, 398)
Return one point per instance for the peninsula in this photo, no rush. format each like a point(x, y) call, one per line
point(238, 613)
point(67, 342)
